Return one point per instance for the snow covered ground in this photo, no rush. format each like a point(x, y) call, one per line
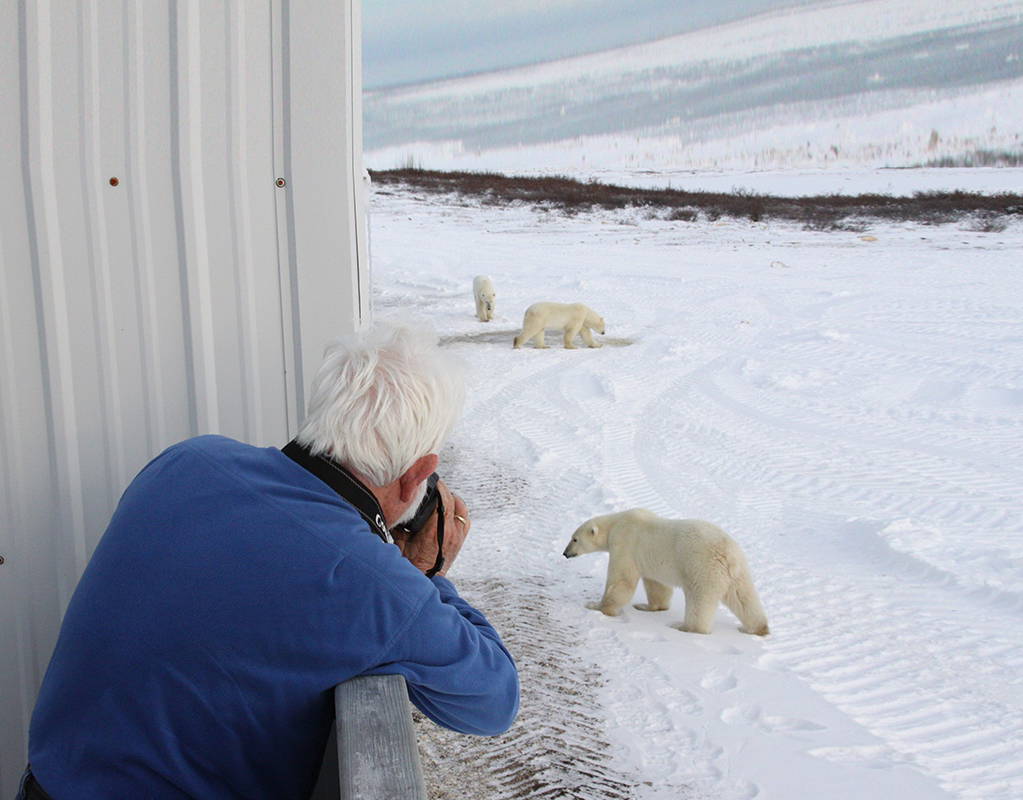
point(849, 405)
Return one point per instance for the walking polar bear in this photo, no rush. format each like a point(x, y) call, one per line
point(483, 291)
point(696, 555)
point(572, 318)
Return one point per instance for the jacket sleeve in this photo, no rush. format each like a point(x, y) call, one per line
point(458, 672)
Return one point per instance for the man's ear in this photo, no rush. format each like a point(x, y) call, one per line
point(420, 470)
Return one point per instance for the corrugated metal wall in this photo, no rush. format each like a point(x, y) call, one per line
point(181, 231)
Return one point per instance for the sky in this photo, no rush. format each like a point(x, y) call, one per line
point(409, 41)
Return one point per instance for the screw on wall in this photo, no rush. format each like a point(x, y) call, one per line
point(281, 182)
point(114, 181)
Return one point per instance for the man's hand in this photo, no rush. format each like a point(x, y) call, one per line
point(421, 548)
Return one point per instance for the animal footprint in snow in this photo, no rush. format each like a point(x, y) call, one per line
point(719, 681)
point(742, 714)
point(680, 700)
point(747, 790)
point(751, 714)
point(647, 636)
point(874, 756)
point(783, 724)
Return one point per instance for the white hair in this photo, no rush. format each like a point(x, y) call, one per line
point(383, 399)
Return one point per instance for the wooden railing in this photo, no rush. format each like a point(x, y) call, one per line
point(372, 754)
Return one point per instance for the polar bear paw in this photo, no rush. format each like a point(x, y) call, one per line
point(681, 626)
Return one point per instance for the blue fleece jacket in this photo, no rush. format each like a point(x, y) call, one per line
point(230, 593)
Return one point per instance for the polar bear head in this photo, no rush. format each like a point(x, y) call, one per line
point(594, 321)
point(487, 295)
point(483, 290)
point(588, 538)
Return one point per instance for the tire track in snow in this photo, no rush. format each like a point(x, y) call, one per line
point(508, 458)
point(675, 759)
point(863, 634)
point(965, 348)
point(866, 643)
point(830, 468)
point(559, 746)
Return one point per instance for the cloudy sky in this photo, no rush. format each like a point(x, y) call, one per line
point(412, 41)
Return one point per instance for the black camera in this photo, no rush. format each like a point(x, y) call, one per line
point(426, 507)
point(429, 504)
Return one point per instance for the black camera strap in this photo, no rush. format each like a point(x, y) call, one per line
point(348, 487)
point(440, 540)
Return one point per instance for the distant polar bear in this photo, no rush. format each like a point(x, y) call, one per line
point(483, 291)
point(696, 555)
point(572, 318)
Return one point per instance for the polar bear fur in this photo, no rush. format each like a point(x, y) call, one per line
point(695, 555)
point(572, 318)
point(483, 291)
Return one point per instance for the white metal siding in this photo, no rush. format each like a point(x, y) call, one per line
point(193, 296)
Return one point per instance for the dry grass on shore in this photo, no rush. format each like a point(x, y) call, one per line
point(821, 212)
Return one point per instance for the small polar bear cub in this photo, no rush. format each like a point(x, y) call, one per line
point(695, 555)
point(483, 291)
point(572, 318)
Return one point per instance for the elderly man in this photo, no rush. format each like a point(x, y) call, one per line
point(235, 586)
